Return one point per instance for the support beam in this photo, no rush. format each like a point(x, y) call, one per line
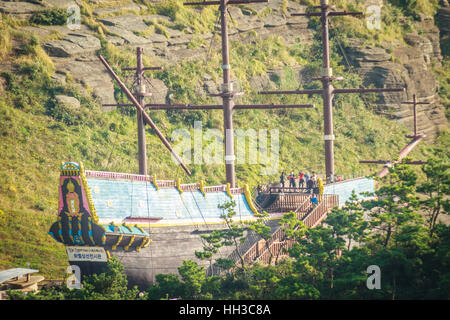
point(206, 3)
point(387, 162)
point(156, 106)
point(336, 91)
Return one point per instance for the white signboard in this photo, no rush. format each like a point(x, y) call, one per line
point(94, 254)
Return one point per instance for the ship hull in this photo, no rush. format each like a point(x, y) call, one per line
point(170, 246)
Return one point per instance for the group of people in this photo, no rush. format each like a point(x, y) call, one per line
point(305, 181)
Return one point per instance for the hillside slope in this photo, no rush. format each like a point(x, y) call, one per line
point(44, 65)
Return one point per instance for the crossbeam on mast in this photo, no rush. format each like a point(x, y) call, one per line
point(208, 3)
point(156, 106)
point(335, 91)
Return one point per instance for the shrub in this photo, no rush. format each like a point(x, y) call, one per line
point(50, 17)
point(63, 113)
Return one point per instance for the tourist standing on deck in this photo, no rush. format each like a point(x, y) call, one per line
point(306, 177)
point(301, 180)
point(292, 180)
point(309, 185)
point(314, 179)
point(314, 200)
point(282, 177)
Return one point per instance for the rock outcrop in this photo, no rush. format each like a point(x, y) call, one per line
point(407, 66)
point(72, 45)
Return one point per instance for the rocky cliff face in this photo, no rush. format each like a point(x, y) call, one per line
point(393, 65)
point(408, 66)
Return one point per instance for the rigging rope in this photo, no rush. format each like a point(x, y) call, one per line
point(149, 233)
point(187, 209)
point(200, 210)
point(131, 199)
point(208, 54)
point(347, 61)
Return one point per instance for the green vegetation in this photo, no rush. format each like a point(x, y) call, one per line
point(109, 285)
point(50, 17)
point(37, 133)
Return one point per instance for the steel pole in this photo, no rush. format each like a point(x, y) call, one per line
point(327, 96)
point(142, 147)
point(227, 99)
point(415, 114)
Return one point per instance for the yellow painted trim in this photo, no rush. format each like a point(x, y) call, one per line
point(114, 247)
point(139, 247)
point(87, 191)
point(108, 255)
point(90, 229)
point(248, 197)
point(129, 243)
point(228, 190)
point(147, 243)
point(140, 229)
point(70, 229)
point(155, 183)
point(179, 185)
point(163, 225)
point(80, 233)
point(60, 228)
point(203, 223)
point(128, 227)
point(202, 188)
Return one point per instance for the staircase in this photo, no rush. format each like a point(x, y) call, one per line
point(256, 248)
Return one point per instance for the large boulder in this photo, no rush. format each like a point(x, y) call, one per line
point(72, 45)
point(128, 36)
point(21, 10)
point(111, 10)
point(92, 74)
point(67, 101)
point(130, 22)
point(158, 89)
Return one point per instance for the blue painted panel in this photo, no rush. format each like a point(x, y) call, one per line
point(122, 229)
point(121, 199)
point(344, 189)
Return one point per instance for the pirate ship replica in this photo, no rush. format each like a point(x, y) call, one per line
point(152, 225)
